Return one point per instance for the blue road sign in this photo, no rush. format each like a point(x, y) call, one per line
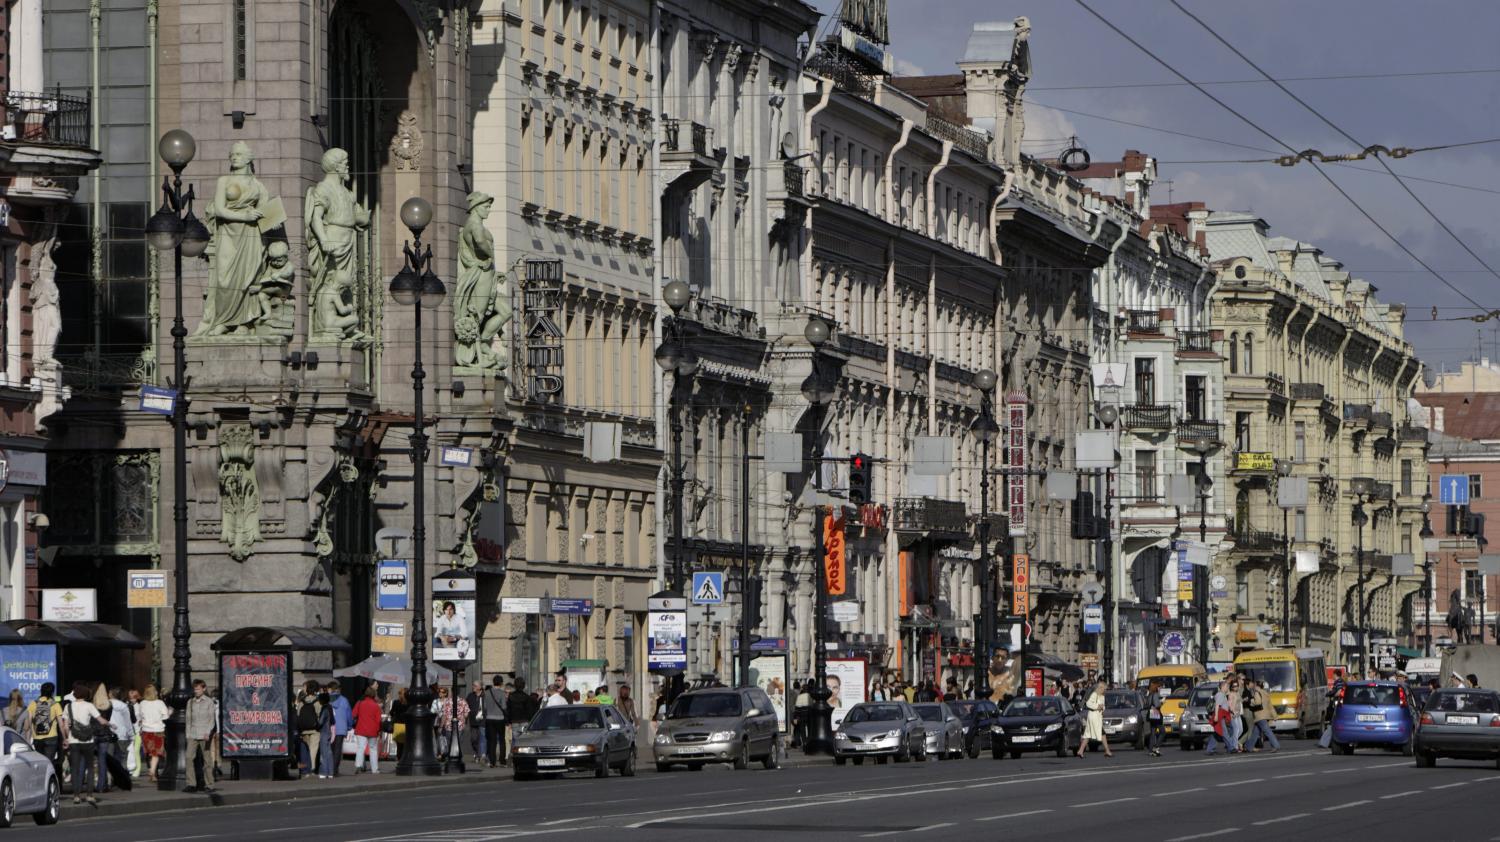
point(158, 401)
point(1453, 489)
point(572, 606)
point(708, 588)
point(1173, 643)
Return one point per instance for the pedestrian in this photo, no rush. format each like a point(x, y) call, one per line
point(602, 695)
point(494, 706)
point(801, 703)
point(42, 717)
point(200, 734)
point(397, 713)
point(365, 719)
point(1247, 715)
point(153, 727)
point(1260, 708)
point(446, 711)
point(307, 729)
point(520, 707)
point(104, 737)
point(477, 737)
point(342, 719)
point(15, 711)
point(79, 720)
point(591, 699)
point(325, 734)
point(555, 697)
point(1473, 681)
point(1237, 714)
point(1218, 718)
point(1093, 726)
point(133, 705)
point(1154, 718)
point(120, 724)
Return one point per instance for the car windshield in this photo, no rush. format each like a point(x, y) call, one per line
point(1119, 699)
point(964, 709)
point(930, 713)
point(1465, 702)
point(1372, 695)
point(1202, 697)
point(567, 719)
point(874, 713)
point(706, 704)
point(1279, 676)
point(1033, 707)
point(1176, 686)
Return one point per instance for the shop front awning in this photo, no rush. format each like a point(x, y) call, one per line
point(83, 635)
point(281, 639)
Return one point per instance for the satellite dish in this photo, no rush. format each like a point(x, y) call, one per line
point(788, 146)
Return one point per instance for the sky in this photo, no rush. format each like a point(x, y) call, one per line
point(1431, 76)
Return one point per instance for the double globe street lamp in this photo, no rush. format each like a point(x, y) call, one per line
point(674, 357)
point(174, 228)
point(819, 392)
point(985, 429)
point(417, 286)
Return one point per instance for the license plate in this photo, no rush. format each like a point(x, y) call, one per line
point(552, 761)
point(1371, 717)
point(1462, 720)
point(1023, 739)
point(1112, 729)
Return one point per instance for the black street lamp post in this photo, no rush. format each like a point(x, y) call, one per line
point(1201, 580)
point(819, 394)
point(1284, 470)
point(418, 286)
point(985, 429)
point(1361, 486)
point(1427, 538)
point(675, 358)
point(174, 228)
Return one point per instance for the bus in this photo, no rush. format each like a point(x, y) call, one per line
point(1295, 680)
point(1177, 682)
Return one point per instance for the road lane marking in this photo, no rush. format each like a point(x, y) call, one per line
point(1401, 794)
point(1102, 803)
point(1346, 769)
point(1265, 822)
point(1450, 786)
point(1219, 832)
point(1345, 806)
point(1294, 775)
point(299, 827)
point(913, 830)
point(1012, 815)
point(1237, 783)
point(1490, 778)
point(1171, 792)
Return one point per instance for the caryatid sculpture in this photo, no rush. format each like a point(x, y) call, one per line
point(241, 211)
point(481, 306)
point(335, 220)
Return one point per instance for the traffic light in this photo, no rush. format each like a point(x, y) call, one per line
point(753, 601)
point(861, 472)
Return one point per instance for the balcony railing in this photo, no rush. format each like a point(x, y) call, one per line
point(971, 142)
point(1354, 412)
point(1196, 341)
point(43, 119)
point(793, 173)
point(946, 518)
point(1276, 384)
point(1144, 321)
point(1381, 419)
point(1147, 417)
point(696, 140)
point(847, 76)
point(1308, 391)
point(1193, 431)
point(1256, 540)
point(1407, 432)
point(722, 316)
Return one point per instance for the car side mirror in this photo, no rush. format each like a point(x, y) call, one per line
point(753, 712)
point(17, 748)
point(614, 726)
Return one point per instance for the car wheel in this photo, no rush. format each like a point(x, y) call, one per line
point(7, 803)
point(839, 761)
point(773, 760)
point(1062, 746)
point(996, 752)
point(627, 769)
point(1015, 755)
point(974, 748)
point(1406, 749)
point(663, 767)
point(1427, 761)
point(742, 760)
point(49, 815)
point(904, 754)
point(524, 776)
point(603, 770)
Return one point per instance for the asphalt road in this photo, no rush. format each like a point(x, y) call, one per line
point(1300, 793)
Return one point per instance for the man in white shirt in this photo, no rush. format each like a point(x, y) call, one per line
point(554, 698)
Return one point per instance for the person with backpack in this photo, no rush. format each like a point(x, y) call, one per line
point(42, 716)
point(307, 729)
point(79, 720)
point(494, 705)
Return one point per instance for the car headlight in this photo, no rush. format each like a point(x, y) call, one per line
point(1053, 727)
point(585, 749)
point(1131, 720)
point(525, 749)
point(841, 737)
point(720, 736)
point(893, 733)
point(663, 739)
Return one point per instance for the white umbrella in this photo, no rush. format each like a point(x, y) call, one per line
point(394, 669)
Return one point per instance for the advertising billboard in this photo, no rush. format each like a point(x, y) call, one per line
point(255, 707)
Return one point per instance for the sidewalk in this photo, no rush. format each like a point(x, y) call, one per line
point(146, 798)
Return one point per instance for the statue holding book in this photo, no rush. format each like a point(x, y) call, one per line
point(241, 211)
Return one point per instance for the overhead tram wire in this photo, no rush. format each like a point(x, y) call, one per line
point(1380, 160)
point(1279, 142)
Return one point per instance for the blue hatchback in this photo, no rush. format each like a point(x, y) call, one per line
point(1373, 713)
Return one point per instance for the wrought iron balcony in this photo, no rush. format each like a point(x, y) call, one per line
point(1358, 412)
point(1195, 341)
point(1256, 540)
point(974, 143)
point(847, 75)
point(1147, 417)
point(1276, 384)
point(1196, 431)
point(1308, 391)
point(694, 140)
point(793, 176)
point(43, 119)
point(1144, 321)
point(941, 518)
point(1407, 432)
point(1381, 419)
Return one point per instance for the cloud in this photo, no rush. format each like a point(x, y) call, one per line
point(1047, 131)
point(906, 68)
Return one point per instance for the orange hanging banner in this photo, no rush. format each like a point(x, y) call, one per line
point(833, 555)
point(1020, 584)
point(903, 583)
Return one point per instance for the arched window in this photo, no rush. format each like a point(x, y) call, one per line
point(1249, 354)
point(1234, 353)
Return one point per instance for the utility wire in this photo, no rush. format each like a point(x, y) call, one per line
point(1350, 138)
point(1279, 142)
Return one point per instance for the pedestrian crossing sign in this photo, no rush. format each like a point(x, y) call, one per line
point(708, 588)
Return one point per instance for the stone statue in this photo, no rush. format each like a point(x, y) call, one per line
point(334, 221)
point(239, 493)
point(481, 306)
point(46, 316)
point(273, 294)
point(235, 218)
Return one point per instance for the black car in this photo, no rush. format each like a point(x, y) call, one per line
point(1125, 717)
point(979, 717)
point(1037, 723)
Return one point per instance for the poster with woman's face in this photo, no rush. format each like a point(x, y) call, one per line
point(453, 629)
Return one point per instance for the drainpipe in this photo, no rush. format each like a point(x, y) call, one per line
point(805, 261)
point(892, 213)
point(942, 164)
point(662, 413)
point(96, 235)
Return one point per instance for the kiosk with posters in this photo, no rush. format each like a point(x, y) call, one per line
point(454, 636)
point(256, 665)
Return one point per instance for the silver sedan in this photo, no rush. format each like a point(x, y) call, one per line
point(28, 782)
point(945, 731)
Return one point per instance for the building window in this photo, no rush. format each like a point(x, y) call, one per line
point(1234, 353)
point(1242, 432)
point(1145, 381)
point(1145, 474)
point(1197, 397)
point(1406, 477)
point(241, 28)
point(1249, 354)
point(1299, 525)
point(1299, 444)
point(1474, 586)
point(1406, 542)
point(1242, 591)
point(1476, 485)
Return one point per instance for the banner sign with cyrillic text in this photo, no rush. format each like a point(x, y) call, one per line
point(254, 705)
